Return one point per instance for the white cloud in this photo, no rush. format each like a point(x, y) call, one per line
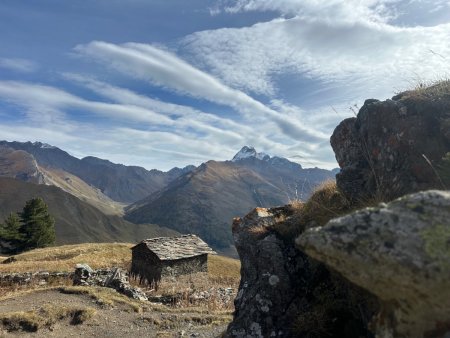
point(369, 56)
point(169, 71)
point(48, 115)
point(18, 65)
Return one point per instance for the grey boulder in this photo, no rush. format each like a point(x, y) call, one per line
point(399, 252)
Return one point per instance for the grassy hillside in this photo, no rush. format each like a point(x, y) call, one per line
point(76, 221)
point(100, 255)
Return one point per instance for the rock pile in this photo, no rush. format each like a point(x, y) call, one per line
point(116, 279)
point(40, 277)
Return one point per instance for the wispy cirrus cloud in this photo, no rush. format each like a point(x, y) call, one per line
point(18, 65)
point(135, 126)
point(372, 57)
point(165, 69)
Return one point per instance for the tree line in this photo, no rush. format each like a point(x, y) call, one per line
point(31, 228)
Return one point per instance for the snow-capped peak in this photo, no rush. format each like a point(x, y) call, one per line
point(43, 145)
point(247, 152)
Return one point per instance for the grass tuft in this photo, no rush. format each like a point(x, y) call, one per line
point(436, 89)
point(47, 316)
point(325, 203)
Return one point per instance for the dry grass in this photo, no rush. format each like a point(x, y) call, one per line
point(325, 203)
point(64, 258)
point(436, 89)
point(103, 296)
point(46, 316)
point(199, 291)
point(97, 256)
point(220, 267)
point(223, 273)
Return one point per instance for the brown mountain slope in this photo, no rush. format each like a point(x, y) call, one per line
point(23, 166)
point(126, 184)
point(205, 201)
point(76, 221)
point(83, 191)
point(19, 164)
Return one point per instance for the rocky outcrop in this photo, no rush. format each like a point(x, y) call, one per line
point(394, 147)
point(283, 293)
point(400, 252)
point(24, 278)
point(20, 165)
point(115, 278)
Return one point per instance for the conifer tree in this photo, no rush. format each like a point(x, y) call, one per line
point(38, 227)
point(10, 233)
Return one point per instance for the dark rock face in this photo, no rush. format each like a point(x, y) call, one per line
point(283, 293)
point(387, 149)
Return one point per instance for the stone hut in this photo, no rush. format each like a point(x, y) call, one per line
point(160, 257)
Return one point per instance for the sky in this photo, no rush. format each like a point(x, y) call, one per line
point(165, 83)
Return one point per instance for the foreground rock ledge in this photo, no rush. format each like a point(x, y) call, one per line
point(401, 253)
point(283, 293)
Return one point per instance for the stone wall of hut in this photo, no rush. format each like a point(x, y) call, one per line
point(149, 269)
point(145, 265)
point(185, 266)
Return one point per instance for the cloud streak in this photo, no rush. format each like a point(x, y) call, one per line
point(164, 69)
point(377, 55)
point(18, 65)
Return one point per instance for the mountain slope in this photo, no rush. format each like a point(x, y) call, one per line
point(75, 186)
point(206, 200)
point(23, 166)
point(121, 183)
point(76, 221)
point(19, 164)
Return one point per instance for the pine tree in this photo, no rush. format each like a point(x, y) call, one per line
point(38, 227)
point(10, 233)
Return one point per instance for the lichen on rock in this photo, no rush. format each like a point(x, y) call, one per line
point(400, 252)
point(283, 293)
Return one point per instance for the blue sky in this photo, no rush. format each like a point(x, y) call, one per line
point(167, 83)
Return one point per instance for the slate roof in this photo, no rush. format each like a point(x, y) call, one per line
point(170, 248)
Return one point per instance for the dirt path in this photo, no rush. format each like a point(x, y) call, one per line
point(119, 320)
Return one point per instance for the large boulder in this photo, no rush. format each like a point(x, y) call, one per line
point(400, 252)
point(394, 147)
point(284, 293)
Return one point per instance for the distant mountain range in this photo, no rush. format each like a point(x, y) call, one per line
point(206, 200)
point(200, 200)
point(121, 183)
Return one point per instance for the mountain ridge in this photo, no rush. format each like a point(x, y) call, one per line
point(205, 200)
point(119, 182)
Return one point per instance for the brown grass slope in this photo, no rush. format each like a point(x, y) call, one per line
point(76, 221)
point(98, 256)
point(206, 200)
